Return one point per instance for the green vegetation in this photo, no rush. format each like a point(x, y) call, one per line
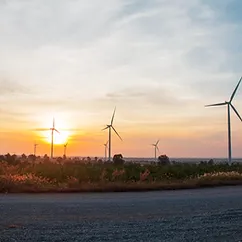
point(29, 174)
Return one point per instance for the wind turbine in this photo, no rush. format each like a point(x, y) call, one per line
point(110, 127)
point(156, 147)
point(229, 104)
point(65, 146)
point(35, 145)
point(53, 129)
point(106, 146)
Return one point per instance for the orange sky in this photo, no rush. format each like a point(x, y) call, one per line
point(198, 137)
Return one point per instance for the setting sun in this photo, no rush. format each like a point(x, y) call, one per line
point(61, 132)
point(59, 138)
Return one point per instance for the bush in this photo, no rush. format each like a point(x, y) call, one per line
point(118, 159)
point(163, 160)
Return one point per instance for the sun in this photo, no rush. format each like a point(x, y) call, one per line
point(62, 125)
point(59, 138)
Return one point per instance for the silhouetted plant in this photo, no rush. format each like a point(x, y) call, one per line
point(118, 159)
point(31, 158)
point(163, 160)
point(211, 162)
point(2, 158)
point(46, 158)
point(74, 172)
point(100, 161)
point(11, 159)
point(23, 156)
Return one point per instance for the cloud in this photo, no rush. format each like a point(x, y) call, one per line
point(157, 60)
point(10, 87)
point(127, 42)
point(149, 96)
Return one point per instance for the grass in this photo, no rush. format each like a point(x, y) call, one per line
point(107, 177)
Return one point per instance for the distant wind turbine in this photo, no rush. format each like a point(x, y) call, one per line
point(105, 151)
point(53, 129)
point(229, 104)
point(110, 127)
point(35, 145)
point(65, 147)
point(156, 147)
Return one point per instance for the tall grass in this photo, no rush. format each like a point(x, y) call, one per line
point(43, 176)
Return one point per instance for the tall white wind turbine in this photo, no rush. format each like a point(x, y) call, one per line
point(229, 105)
point(110, 127)
point(105, 150)
point(156, 147)
point(53, 129)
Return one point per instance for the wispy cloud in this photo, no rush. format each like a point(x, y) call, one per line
point(160, 58)
point(10, 87)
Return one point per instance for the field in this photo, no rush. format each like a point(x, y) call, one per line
point(93, 176)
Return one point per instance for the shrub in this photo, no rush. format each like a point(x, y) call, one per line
point(163, 160)
point(118, 159)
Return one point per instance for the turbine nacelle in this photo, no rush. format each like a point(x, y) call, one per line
point(107, 126)
point(156, 145)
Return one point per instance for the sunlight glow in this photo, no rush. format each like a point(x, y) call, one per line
point(59, 138)
point(61, 124)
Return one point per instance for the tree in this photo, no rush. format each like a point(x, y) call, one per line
point(211, 162)
point(11, 159)
point(59, 160)
point(31, 158)
point(118, 159)
point(23, 156)
point(163, 160)
point(46, 158)
point(2, 158)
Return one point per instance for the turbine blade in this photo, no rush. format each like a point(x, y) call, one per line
point(235, 111)
point(53, 123)
point(39, 129)
point(157, 142)
point(157, 148)
point(216, 104)
point(76, 130)
point(235, 90)
point(56, 131)
point(116, 132)
point(106, 127)
point(113, 115)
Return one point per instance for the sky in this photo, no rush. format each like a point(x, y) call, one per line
point(159, 62)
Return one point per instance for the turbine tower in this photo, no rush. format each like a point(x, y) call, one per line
point(156, 147)
point(35, 145)
point(65, 147)
point(105, 151)
point(229, 105)
point(53, 129)
point(110, 127)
